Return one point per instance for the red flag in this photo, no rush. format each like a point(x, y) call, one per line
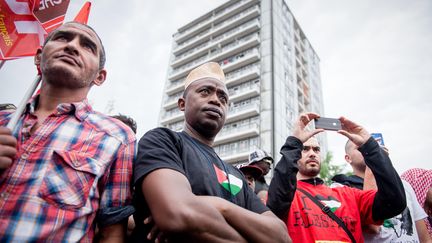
point(83, 15)
point(25, 24)
point(50, 13)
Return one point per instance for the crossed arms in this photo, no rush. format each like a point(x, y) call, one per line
point(178, 213)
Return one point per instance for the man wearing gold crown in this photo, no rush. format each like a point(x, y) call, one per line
point(190, 193)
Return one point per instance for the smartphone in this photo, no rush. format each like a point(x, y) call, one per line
point(379, 138)
point(332, 124)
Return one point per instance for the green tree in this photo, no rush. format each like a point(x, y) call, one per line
point(329, 170)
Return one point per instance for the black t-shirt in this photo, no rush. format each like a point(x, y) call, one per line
point(206, 172)
point(261, 185)
point(351, 181)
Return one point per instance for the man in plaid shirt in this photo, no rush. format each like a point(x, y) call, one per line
point(65, 168)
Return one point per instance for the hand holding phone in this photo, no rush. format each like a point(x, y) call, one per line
point(353, 131)
point(331, 124)
point(300, 130)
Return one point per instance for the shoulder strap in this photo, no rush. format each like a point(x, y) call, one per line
point(326, 209)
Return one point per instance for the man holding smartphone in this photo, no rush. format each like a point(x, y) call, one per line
point(315, 212)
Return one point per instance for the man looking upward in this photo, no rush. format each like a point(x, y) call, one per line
point(65, 168)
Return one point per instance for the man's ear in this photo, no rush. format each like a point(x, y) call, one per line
point(37, 58)
point(100, 78)
point(348, 159)
point(181, 103)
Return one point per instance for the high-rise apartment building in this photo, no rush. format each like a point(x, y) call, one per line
point(271, 69)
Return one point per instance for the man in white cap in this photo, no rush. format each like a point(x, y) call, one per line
point(263, 160)
point(190, 193)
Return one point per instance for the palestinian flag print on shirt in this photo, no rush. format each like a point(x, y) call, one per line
point(230, 182)
point(330, 202)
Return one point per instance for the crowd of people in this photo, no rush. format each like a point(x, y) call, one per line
point(71, 174)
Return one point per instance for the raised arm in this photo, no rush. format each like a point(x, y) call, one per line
point(178, 213)
point(283, 185)
point(284, 182)
point(390, 198)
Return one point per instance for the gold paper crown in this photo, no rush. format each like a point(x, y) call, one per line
point(211, 70)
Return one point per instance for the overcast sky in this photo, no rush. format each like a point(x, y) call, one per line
point(376, 64)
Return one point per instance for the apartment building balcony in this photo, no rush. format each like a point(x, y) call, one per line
point(297, 33)
point(301, 107)
point(302, 47)
point(242, 74)
point(200, 40)
point(176, 126)
point(300, 62)
point(243, 93)
point(203, 48)
point(218, 29)
point(228, 51)
point(237, 156)
point(242, 112)
point(171, 117)
point(298, 74)
point(303, 101)
point(187, 36)
point(301, 74)
point(236, 133)
point(233, 152)
point(300, 44)
point(174, 87)
point(171, 102)
point(245, 73)
point(247, 57)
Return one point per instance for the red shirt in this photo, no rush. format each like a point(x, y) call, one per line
point(307, 223)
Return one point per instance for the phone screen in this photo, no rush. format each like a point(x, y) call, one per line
point(379, 138)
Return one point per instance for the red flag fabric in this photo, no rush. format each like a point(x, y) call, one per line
point(83, 15)
point(50, 14)
point(25, 24)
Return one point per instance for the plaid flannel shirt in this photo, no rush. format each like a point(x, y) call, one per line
point(73, 171)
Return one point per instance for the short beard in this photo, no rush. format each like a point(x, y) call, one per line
point(310, 172)
point(61, 77)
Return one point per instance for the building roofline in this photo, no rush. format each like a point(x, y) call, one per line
point(302, 33)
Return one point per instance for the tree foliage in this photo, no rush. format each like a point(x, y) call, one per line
point(328, 170)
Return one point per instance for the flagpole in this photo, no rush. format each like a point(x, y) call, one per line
point(21, 107)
